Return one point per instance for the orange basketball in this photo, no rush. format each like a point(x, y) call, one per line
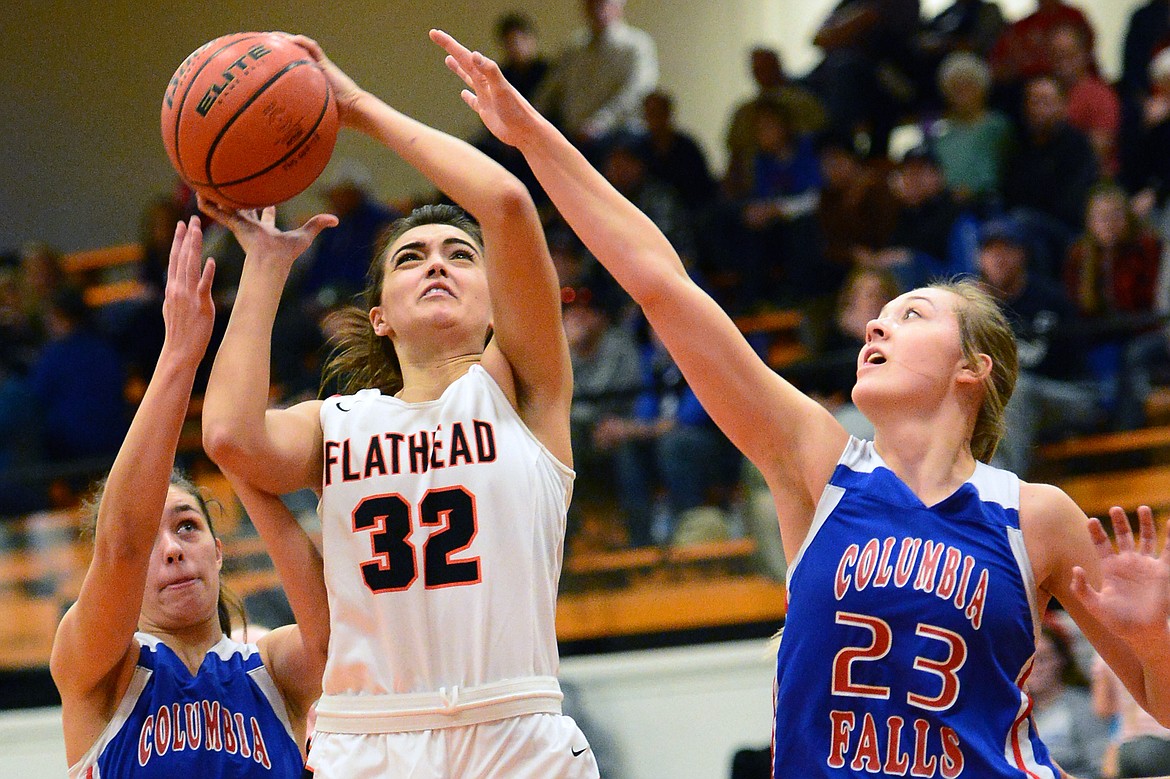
point(249, 120)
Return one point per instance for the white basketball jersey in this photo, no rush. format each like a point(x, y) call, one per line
point(443, 526)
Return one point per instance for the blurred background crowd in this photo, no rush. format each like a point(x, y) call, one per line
point(919, 147)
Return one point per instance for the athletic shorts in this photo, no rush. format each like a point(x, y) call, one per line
point(532, 746)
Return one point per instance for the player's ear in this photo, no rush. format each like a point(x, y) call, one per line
point(976, 370)
point(379, 323)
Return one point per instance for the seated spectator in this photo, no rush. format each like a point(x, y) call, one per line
point(1022, 51)
point(21, 336)
point(607, 378)
point(829, 376)
point(77, 383)
point(1146, 158)
point(520, 60)
point(1093, 106)
point(1054, 392)
point(667, 446)
point(673, 156)
point(934, 236)
point(626, 169)
point(1111, 274)
point(781, 261)
point(596, 86)
point(804, 110)
point(1113, 267)
point(1142, 745)
point(1146, 34)
point(336, 264)
point(868, 78)
point(19, 444)
point(42, 276)
point(137, 330)
point(963, 26)
point(1048, 176)
point(526, 69)
point(857, 210)
point(1145, 363)
point(1063, 712)
point(970, 141)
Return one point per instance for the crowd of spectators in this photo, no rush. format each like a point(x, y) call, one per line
point(917, 148)
point(1025, 167)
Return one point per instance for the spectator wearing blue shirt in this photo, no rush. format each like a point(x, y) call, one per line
point(341, 256)
point(667, 447)
point(783, 261)
point(78, 384)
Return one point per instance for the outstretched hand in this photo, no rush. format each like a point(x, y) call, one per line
point(260, 237)
point(504, 110)
point(188, 311)
point(1134, 598)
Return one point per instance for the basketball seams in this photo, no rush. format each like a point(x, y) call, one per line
point(194, 76)
point(265, 146)
point(309, 136)
point(243, 109)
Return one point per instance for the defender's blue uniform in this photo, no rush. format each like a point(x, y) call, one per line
point(226, 722)
point(910, 632)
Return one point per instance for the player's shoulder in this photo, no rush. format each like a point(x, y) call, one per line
point(1046, 504)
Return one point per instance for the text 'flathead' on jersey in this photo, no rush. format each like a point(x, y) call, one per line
point(393, 453)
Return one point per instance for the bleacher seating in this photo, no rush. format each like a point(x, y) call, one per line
point(605, 593)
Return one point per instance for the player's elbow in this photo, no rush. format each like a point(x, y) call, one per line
point(512, 199)
point(656, 279)
point(223, 446)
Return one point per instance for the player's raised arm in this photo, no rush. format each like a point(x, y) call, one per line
point(295, 654)
point(1119, 596)
point(526, 304)
point(97, 631)
point(775, 425)
point(278, 450)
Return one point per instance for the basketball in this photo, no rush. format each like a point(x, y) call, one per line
point(249, 120)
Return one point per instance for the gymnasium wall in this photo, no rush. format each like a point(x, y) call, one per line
point(81, 83)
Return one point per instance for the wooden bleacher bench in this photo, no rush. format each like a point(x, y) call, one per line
point(92, 268)
point(780, 332)
point(623, 567)
point(670, 606)
point(651, 556)
point(1147, 438)
point(27, 626)
point(101, 259)
point(1158, 405)
point(1095, 493)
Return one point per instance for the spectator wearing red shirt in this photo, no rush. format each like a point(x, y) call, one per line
point(1113, 267)
point(1022, 51)
point(1093, 105)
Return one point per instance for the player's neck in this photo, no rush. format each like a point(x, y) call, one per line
point(933, 457)
point(191, 643)
point(428, 380)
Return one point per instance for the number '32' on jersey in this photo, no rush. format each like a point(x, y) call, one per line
point(442, 524)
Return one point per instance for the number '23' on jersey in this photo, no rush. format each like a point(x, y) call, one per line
point(910, 633)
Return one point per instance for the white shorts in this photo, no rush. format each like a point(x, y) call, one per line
point(533, 746)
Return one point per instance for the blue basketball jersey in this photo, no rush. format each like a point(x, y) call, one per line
point(228, 721)
point(910, 633)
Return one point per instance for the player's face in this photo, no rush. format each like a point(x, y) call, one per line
point(434, 277)
point(912, 349)
point(182, 584)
